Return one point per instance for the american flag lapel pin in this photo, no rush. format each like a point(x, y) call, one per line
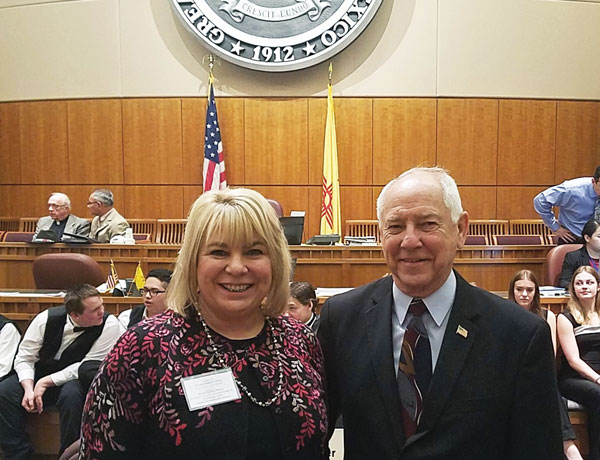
point(462, 331)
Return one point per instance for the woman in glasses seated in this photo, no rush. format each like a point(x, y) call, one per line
point(222, 374)
point(154, 297)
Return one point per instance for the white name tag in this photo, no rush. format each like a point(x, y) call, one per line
point(210, 389)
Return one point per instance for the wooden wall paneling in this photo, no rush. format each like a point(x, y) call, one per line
point(577, 139)
point(354, 134)
point(276, 137)
point(357, 203)
point(35, 199)
point(152, 145)
point(479, 202)
point(231, 122)
point(153, 202)
point(190, 194)
point(517, 202)
point(291, 199)
point(467, 139)
point(526, 142)
point(193, 119)
point(43, 140)
point(11, 201)
point(375, 193)
point(10, 152)
point(404, 135)
point(95, 131)
point(495, 277)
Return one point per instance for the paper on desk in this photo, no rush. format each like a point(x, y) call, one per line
point(552, 291)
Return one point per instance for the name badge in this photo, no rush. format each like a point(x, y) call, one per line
point(210, 389)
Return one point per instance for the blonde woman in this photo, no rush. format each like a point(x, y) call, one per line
point(579, 338)
point(222, 374)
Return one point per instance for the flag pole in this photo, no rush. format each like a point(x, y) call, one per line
point(214, 176)
point(330, 196)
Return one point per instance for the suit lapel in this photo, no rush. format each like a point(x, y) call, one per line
point(453, 354)
point(379, 332)
point(69, 225)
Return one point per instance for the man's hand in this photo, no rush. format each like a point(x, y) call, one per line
point(28, 401)
point(565, 234)
point(38, 392)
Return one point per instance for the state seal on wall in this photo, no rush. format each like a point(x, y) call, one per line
point(276, 35)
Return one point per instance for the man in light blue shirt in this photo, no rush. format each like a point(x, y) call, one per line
point(576, 200)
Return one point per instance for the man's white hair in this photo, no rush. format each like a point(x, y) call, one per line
point(64, 199)
point(450, 193)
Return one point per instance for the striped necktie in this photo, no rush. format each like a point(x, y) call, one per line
point(414, 368)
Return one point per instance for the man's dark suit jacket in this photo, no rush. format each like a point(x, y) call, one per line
point(492, 395)
point(573, 260)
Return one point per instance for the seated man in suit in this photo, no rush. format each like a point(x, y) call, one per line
point(588, 254)
point(421, 364)
point(10, 336)
point(60, 220)
point(107, 222)
point(154, 297)
point(56, 342)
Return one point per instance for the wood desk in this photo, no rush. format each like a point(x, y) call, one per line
point(490, 267)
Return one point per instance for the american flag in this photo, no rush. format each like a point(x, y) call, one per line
point(214, 177)
point(113, 278)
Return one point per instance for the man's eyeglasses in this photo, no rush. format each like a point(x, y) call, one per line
point(151, 292)
point(56, 206)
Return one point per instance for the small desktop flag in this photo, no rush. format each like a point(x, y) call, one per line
point(214, 177)
point(138, 278)
point(330, 201)
point(113, 278)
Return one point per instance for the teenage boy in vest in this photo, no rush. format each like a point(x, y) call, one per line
point(55, 344)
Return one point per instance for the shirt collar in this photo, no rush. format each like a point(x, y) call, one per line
point(71, 322)
point(105, 216)
point(438, 304)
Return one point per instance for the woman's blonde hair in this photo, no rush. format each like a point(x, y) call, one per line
point(574, 306)
point(232, 216)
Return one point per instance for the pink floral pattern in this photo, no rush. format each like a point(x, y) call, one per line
point(136, 403)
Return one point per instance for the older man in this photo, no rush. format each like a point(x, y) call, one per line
point(577, 200)
point(56, 342)
point(423, 365)
point(107, 221)
point(60, 220)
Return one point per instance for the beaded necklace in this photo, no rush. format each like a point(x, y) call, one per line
point(244, 388)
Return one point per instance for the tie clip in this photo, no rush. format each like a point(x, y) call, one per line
point(462, 331)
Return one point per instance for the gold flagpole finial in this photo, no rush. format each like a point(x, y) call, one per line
point(211, 65)
point(330, 72)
